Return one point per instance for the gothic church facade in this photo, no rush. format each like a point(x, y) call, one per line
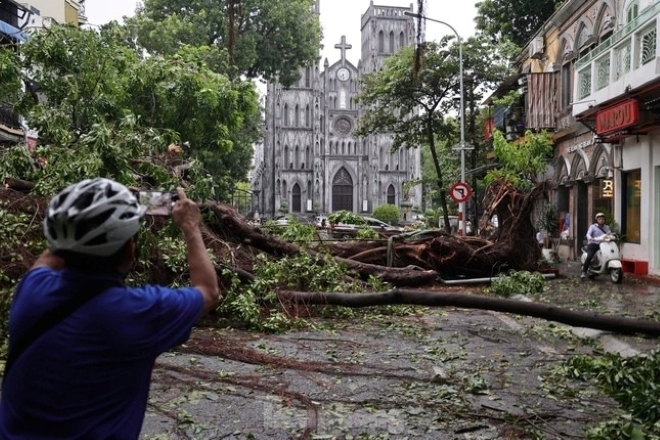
point(311, 161)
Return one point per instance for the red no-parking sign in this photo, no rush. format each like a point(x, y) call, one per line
point(460, 192)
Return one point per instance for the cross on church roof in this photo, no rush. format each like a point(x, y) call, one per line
point(343, 47)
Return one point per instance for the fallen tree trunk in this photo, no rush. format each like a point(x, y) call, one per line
point(615, 324)
point(235, 225)
point(19, 185)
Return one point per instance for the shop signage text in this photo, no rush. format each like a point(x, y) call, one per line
point(607, 188)
point(583, 144)
point(617, 117)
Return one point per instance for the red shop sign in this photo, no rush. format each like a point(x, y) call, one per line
point(617, 117)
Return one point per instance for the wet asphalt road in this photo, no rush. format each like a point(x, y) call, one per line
point(437, 374)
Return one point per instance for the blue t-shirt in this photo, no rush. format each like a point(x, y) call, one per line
point(88, 377)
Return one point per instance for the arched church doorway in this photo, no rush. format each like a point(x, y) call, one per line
point(342, 191)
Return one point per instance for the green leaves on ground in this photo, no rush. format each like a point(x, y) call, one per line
point(257, 305)
point(633, 383)
point(517, 283)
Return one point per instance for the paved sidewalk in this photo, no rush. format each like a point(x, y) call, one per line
point(572, 269)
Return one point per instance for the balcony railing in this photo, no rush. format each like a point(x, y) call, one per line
point(645, 15)
point(623, 62)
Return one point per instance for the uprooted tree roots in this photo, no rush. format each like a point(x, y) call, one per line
point(408, 260)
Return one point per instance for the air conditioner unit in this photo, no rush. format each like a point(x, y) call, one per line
point(536, 48)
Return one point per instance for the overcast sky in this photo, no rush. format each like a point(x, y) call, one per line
point(338, 17)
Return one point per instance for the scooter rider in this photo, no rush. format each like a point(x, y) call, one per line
point(595, 235)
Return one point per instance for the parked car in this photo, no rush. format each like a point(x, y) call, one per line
point(380, 226)
point(343, 230)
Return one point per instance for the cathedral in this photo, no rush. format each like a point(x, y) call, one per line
point(311, 161)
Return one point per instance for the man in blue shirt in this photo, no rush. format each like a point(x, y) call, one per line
point(87, 375)
point(596, 233)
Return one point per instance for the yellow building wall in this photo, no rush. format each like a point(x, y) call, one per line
point(551, 57)
point(70, 14)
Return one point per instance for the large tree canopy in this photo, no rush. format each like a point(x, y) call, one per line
point(414, 105)
point(102, 110)
point(513, 20)
point(263, 38)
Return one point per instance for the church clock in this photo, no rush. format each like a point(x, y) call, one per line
point(343, 74)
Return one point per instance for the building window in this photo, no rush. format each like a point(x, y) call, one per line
point(603, 72)
point(342, 99)
point(567, 84)
point(296, 199)
point(603, 195)
point(402, 40)
point(632, 203)
point(286, 115)
point(392, 48)
point(381, 42)
point(632, 12)
point(296, 116)
point(647, 49)
point(584, 76)
point(622, 58)
point(391, 195)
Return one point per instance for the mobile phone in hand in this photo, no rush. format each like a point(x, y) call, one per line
point(157, 202)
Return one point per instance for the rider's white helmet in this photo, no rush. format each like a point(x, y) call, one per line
point(600, 214)
point(93, 217)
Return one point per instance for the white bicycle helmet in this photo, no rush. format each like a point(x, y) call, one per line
point(92, 217)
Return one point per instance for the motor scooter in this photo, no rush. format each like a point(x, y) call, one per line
point(606, 260)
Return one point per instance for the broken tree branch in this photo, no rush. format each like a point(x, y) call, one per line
point(549, 312)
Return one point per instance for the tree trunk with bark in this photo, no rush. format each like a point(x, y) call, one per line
point(616, 324)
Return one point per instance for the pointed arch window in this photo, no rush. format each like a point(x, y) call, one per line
point(286, 115)
point(381, 42)
point(296, 198)
point(307, 116)
point(391, 195)
point(392, 48)
point(567, 76)
point(632, 11)
point(296, 116)
point(402, 40)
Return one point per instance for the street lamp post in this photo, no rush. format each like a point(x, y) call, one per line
point(461, 147)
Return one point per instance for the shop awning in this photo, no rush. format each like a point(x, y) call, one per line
point(12, 32)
